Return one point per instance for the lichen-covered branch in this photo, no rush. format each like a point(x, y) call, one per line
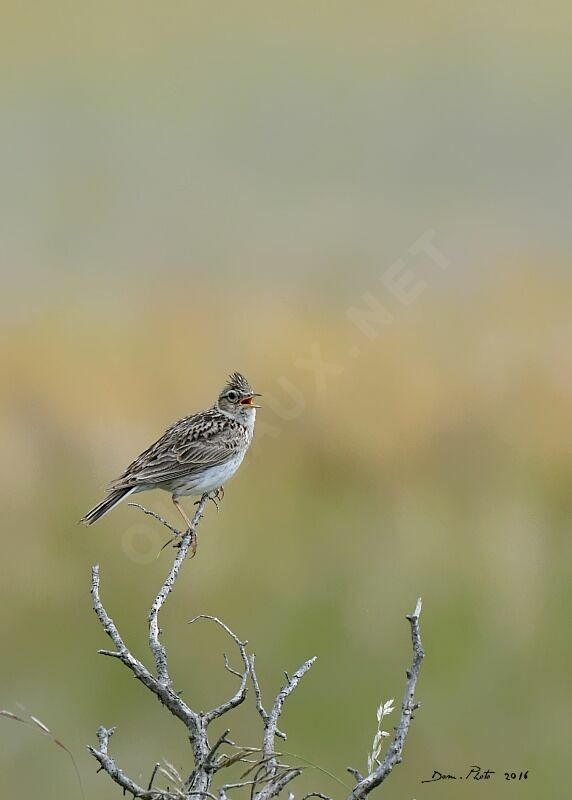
point(271, 719)
point(108, 764)
point(265, 776)
point(160, 685)
point(158, 650)
point(394, 753)
point(165, 694)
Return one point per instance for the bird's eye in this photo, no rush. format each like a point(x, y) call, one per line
point(232, 396)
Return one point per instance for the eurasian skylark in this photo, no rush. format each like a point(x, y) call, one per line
point(195, 455)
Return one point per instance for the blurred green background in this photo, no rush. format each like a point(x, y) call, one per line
point(193, 188)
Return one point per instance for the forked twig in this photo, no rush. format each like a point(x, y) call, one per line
point(121, 779)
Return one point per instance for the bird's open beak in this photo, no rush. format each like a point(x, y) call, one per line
point(247, 401)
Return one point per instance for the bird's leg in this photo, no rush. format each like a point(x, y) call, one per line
point(190, 527)
point(219, 493)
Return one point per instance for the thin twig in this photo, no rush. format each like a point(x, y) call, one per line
point(356, 773)
point(229, 668)
point(219, 742)
point(321, 795)
point(240, 694)
point(158, 517)
point(264, 715)
point(272, 723)
point(269, 763)
point(257, 693)
point(237, 785)
point(152, 778)
point(393, 755)
point(110, 653)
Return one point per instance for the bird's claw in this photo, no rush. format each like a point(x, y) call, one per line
point(215, 497)
point(194, 542)
point(177, 541)
point(174, 540)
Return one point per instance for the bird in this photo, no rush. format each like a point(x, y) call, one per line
point(197, 454)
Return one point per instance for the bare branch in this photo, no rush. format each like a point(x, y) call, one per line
point(238, 785)
point(158, 650)
point(269, 767)
point(240, 693)
point(393, 755)
point(222, 739)
point(165, 694)
point(152, 778)
point(257, 693)
point(110, 653)
point(158, 517)
point(229, 668)
point(266, 775)
point(321, 795)
point(272, 721)
point(264, 715)
point(108, 765)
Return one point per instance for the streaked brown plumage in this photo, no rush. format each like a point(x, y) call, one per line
point(197, 454)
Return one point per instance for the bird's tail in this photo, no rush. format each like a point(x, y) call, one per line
point(98, 511)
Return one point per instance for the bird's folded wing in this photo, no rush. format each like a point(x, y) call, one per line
point(176, 455)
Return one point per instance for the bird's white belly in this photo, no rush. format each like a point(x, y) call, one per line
point(208, 480)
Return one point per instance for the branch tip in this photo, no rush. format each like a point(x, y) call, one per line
point(394, 753)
